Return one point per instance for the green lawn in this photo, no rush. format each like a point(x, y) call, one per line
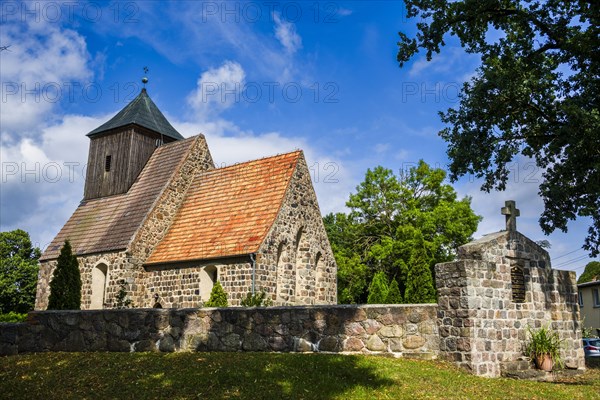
point(261, 376)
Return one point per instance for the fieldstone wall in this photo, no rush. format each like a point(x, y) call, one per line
point(120, 265)
point(501, 284)
point(401, 330)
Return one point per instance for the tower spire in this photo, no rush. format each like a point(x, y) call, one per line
point(145, 78)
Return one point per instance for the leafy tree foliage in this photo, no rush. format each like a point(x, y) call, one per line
point(389, 216)
point(535, 94)
point(65, 286)
point(378, 289)
point(218, 297)
point(591, 271)
point(18, 272)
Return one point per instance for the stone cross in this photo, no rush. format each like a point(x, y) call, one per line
point(512, 212)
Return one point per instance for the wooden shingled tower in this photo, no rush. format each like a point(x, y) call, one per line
point(121, 147)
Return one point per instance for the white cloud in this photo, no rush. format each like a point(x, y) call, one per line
point(286, 33)
point(44, 59)
point(42, 180)
point(218, 89)
point(451, 60)
point(381, 148)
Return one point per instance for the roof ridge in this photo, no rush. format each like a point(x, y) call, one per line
point(237, 164)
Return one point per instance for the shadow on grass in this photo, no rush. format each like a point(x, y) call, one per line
point(187, 375)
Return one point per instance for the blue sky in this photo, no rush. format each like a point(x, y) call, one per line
point(257, 78)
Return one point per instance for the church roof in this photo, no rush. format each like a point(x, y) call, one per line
point(228, 211)
point(143, 112)
point(110, 223)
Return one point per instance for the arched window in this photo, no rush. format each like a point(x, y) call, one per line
point(99, 273)
point(320, 280)
point(305, 273)
point(282, 289)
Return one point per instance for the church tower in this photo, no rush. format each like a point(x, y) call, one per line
point(120, 148)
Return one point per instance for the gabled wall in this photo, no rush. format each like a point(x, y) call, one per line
point(295, 263)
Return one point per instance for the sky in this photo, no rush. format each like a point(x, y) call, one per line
point(256, 78)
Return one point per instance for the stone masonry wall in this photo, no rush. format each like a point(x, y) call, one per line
point(402, 330)
point(183, 286)
point(119, 263)
point(482, 328)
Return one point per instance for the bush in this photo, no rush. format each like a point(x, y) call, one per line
point(259, 299)
point(218, 297)
point(121, 300)
point(12, 317)
point(544, 341)
point(65, 287)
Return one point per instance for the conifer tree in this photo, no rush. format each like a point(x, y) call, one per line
point(394, 296)
point(218, 297)
point(419, 283)
point(378, 290)
point(65, 287)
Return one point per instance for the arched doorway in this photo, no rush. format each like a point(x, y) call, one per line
point(208, 277)
point(99, 273)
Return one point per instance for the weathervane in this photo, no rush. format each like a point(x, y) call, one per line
point(145, 78)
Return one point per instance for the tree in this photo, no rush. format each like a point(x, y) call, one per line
point(378, 289)
point(65, 286)
point(534, 95)
point(388, 216)
point(18, 272)
point(591, 271)
point(419, 286)
point(394, 296)
point(218, 297)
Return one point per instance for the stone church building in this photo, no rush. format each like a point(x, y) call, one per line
point(158, 215)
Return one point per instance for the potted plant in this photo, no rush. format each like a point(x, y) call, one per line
point(544, 348)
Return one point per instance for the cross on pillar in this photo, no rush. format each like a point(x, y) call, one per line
point(511, 212)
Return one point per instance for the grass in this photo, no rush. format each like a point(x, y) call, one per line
point(262, 376)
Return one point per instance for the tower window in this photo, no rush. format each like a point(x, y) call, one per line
point(107, 163)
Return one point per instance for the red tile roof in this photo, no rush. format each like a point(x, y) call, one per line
point(110, 223)
point(227, 211)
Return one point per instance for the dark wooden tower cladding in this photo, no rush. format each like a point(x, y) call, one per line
point(120, 148)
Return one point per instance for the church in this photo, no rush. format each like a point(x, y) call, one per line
point(158, 216)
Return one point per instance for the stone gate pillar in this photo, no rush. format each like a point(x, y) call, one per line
point(499, 285)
